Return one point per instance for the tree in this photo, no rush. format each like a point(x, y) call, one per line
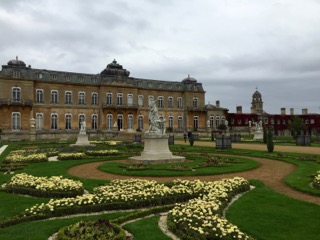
point(270, 145)
point(222, 127)
point(297, 126)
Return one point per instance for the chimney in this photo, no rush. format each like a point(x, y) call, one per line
point(239, 109)
point(305, 111)
point(291, 111)
point(283, 111)
point(217, 103)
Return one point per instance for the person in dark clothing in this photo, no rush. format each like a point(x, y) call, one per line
point(185, 136)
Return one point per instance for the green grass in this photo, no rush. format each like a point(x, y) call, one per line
point(146, 229)
point(266, 214)
point(158, 170)
point(40, 230)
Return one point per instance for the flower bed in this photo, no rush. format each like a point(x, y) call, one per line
point(55, 186)
point(87, 230)
point(102, 152)
point(71, 156)
point(25, 156)
point(202, 216)
point(316, 181)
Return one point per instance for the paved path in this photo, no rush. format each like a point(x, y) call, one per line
point(271, 172)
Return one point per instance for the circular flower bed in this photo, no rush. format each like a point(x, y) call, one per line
point(101, 229)
point(55, 186)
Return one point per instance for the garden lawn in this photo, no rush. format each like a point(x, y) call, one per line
point(177, 169)
point(265, 214)
point(40, 230)
point(146, 229)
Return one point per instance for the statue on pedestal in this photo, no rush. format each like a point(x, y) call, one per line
point(155, 123)
point(83, 128)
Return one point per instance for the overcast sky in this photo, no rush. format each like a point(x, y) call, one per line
point(231, 46)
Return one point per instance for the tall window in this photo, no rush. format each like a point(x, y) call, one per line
point(39, 75)
point(109, 121)
point(54, 96)
point(16, 121)
point(179, 102)
point(119, 99)
point(140, 101)
point(195, 122)
point(130, 100)
point(217, 121)
point(81, 97)
point(39, 95)
point(211, 120)
point(195, 102)
point(171, 122)
point(54, 121)
point(130, 122)
point(180, 123)
point(68, 97)
point(16, 94)
point(81, 119)
point(223, 120)
point(16, 74)
point(120, 121)
point(170, 102)
point(68, 121)
point(94, 98)
point(39, 121)
point(94, 121)
point(109, 99)
point(140, 122)
point(160, 102)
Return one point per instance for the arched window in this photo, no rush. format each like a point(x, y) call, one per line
point(94, 121)
point(39, 95)
point(54, 96)
point(54, 121)
point(120, 121)
point(16, 94)
point(16, 121)
point(39, 121)
point(130, 100)
point(119, 99)
point(179, 102)
point(109, 122)
point(195, 102)
point(140, 122)
point(94, 98)
point(170, 102)
point(109, 99)
point(68, 97)
point(68, 121)
point(211, 120)
point(160, 102)
point(217, 121)
point(140, 101)
point(130, 122)
point(171, 122)
point(81, 97)
point(195, 122)
point(180, 123)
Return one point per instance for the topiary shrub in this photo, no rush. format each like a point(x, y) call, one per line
point(270, 145)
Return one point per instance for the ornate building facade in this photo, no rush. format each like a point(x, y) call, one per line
point(51, 102)
point(243, 122)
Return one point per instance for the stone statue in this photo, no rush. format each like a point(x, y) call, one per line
point(153, 116)
point(83, 127)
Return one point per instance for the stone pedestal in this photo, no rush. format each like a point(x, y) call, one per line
point(156, 150)
point(82, 141)
point(258, 135)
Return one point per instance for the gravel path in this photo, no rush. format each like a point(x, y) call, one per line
point(270, 172)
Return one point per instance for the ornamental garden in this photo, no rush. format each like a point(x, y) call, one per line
point(41, 199)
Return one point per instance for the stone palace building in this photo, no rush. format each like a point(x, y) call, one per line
point(38, 104)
